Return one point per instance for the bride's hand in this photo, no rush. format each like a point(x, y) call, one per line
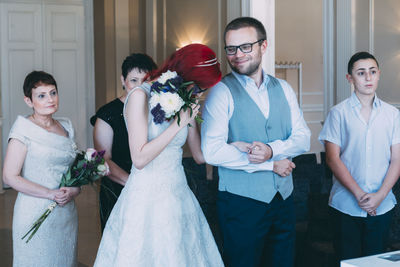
point(185, 115)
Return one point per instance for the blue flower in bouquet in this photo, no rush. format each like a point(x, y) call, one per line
point(197, 90)
point(168, 82)
point(156, 87)
point(175, 82)
point(169, 95)
point(158, 114)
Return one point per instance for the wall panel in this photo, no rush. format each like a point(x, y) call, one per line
point(298, 38)
point(387, 49)
point(65, 58)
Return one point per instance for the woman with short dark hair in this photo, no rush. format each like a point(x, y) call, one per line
point(40, 149)
point(110, 133)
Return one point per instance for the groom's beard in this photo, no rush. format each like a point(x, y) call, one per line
point(249, 70)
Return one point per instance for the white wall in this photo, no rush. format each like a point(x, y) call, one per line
point(387, 49)
point(298, 38)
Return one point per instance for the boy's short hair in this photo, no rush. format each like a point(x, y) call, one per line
point(243, 22)
point(359, 56)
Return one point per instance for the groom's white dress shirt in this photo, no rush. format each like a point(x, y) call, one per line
point(218, 110)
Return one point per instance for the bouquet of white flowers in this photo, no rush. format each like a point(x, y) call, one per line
point(87, 168)
point(169, 95)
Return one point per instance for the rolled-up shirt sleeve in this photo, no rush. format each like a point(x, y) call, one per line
point(299, 140)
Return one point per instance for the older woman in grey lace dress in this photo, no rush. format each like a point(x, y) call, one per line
point(40, 149)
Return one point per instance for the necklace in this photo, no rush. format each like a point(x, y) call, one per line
point(43, 124)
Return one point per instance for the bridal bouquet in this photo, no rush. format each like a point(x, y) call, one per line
point(87, 167)
point(169, 95)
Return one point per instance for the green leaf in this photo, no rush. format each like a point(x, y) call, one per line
point(170, 84)
point(185, 84)
point(199, 119)
point(179, 118)
point(79, 165)
point(191, 92)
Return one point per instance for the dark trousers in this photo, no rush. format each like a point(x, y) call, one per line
point(359, 236)
point(256, 233)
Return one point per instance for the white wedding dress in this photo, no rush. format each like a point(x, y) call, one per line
point(157, 220)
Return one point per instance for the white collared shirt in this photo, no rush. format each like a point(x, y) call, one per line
point(218, 110)
point(364, 150)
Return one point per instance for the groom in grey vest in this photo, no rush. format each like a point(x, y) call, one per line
point(252, 128)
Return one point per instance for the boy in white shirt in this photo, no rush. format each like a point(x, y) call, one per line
point(362, 144)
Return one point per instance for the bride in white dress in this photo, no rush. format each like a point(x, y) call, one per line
point(157, 220)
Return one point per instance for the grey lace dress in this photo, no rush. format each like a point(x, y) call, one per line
point(48, 156)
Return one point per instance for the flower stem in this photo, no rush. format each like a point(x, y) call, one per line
point(36, 225)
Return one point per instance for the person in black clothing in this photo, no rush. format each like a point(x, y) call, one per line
point(110, 133)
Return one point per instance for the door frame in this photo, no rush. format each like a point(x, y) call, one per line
point(89, 101)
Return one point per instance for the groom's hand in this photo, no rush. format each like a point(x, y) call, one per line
point(259, 152)
point(242, 146)
point(283, 167)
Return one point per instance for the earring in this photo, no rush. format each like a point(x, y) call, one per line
point(123, 87)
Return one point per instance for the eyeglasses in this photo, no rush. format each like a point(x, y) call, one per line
point(245, 48)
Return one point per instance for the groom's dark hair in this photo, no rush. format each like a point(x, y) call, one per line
point(243, 22)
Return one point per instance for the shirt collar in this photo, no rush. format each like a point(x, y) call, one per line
point(245, 80)
point(356, 102)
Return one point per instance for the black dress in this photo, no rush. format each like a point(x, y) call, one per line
point(111, 113)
